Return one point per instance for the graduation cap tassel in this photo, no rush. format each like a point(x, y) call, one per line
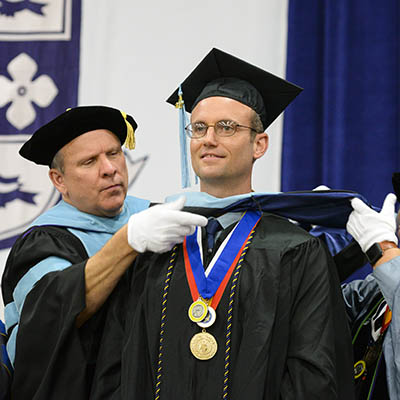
point(185, 167)
point(130, 134)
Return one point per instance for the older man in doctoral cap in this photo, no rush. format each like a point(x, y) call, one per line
point(61, 271)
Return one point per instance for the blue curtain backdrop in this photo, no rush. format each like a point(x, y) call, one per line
point(343, 130)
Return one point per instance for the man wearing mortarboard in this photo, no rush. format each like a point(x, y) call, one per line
point(61, 271)
point(257, 312)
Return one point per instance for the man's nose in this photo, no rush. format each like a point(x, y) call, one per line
point(210, 136)
point(107, 167)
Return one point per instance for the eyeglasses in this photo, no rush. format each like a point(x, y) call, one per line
point(222, 128)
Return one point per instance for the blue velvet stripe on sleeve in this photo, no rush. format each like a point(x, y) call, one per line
point(24, 286)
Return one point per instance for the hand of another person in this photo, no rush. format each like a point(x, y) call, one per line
point(162, 226)
point(321, 187)
point(368, 226)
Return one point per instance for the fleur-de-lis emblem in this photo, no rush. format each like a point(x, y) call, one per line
point(22, 90)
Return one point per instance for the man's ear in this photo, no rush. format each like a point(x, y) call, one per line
point(57, 178)
point(261, 142)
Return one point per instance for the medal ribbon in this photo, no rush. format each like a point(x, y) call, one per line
point(214, 285)
point(387, 318)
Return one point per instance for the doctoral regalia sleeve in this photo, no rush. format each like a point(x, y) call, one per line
point(5, 367)
point(388, 278)
point(358, 296)
point(107, 378)
point(122, 303)
point(319, 355)
point(53, 358)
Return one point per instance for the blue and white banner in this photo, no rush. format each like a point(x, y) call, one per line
point(39, 73)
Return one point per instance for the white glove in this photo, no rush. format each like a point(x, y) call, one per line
point(368, 226)
point(162, 226)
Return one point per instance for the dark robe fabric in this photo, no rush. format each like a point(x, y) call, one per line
point(43, 287)
point(363, 299)
point(53, 359)
point(5, 366)
point(290, 338)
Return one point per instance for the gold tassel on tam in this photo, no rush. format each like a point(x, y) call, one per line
point(130, 135)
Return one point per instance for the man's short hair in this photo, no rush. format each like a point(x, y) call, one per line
point(58, 161)
point(257, 125)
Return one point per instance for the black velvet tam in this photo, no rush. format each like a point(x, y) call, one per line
point(47, 140)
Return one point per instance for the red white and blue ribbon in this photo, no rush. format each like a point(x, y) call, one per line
point(212, 285)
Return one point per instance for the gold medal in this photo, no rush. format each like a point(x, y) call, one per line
point(198, 310)
point(203, 345)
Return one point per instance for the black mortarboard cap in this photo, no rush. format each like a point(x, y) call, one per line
point(47, 140)
point(221, 74)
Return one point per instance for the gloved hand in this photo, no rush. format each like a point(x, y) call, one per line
point(162, 226)
point(321, 187)
point(368, 226)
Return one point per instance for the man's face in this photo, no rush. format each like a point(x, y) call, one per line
point(95, 177)
point(224, 164)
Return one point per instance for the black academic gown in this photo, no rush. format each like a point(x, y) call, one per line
point(54, 359)
point(290, 338)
